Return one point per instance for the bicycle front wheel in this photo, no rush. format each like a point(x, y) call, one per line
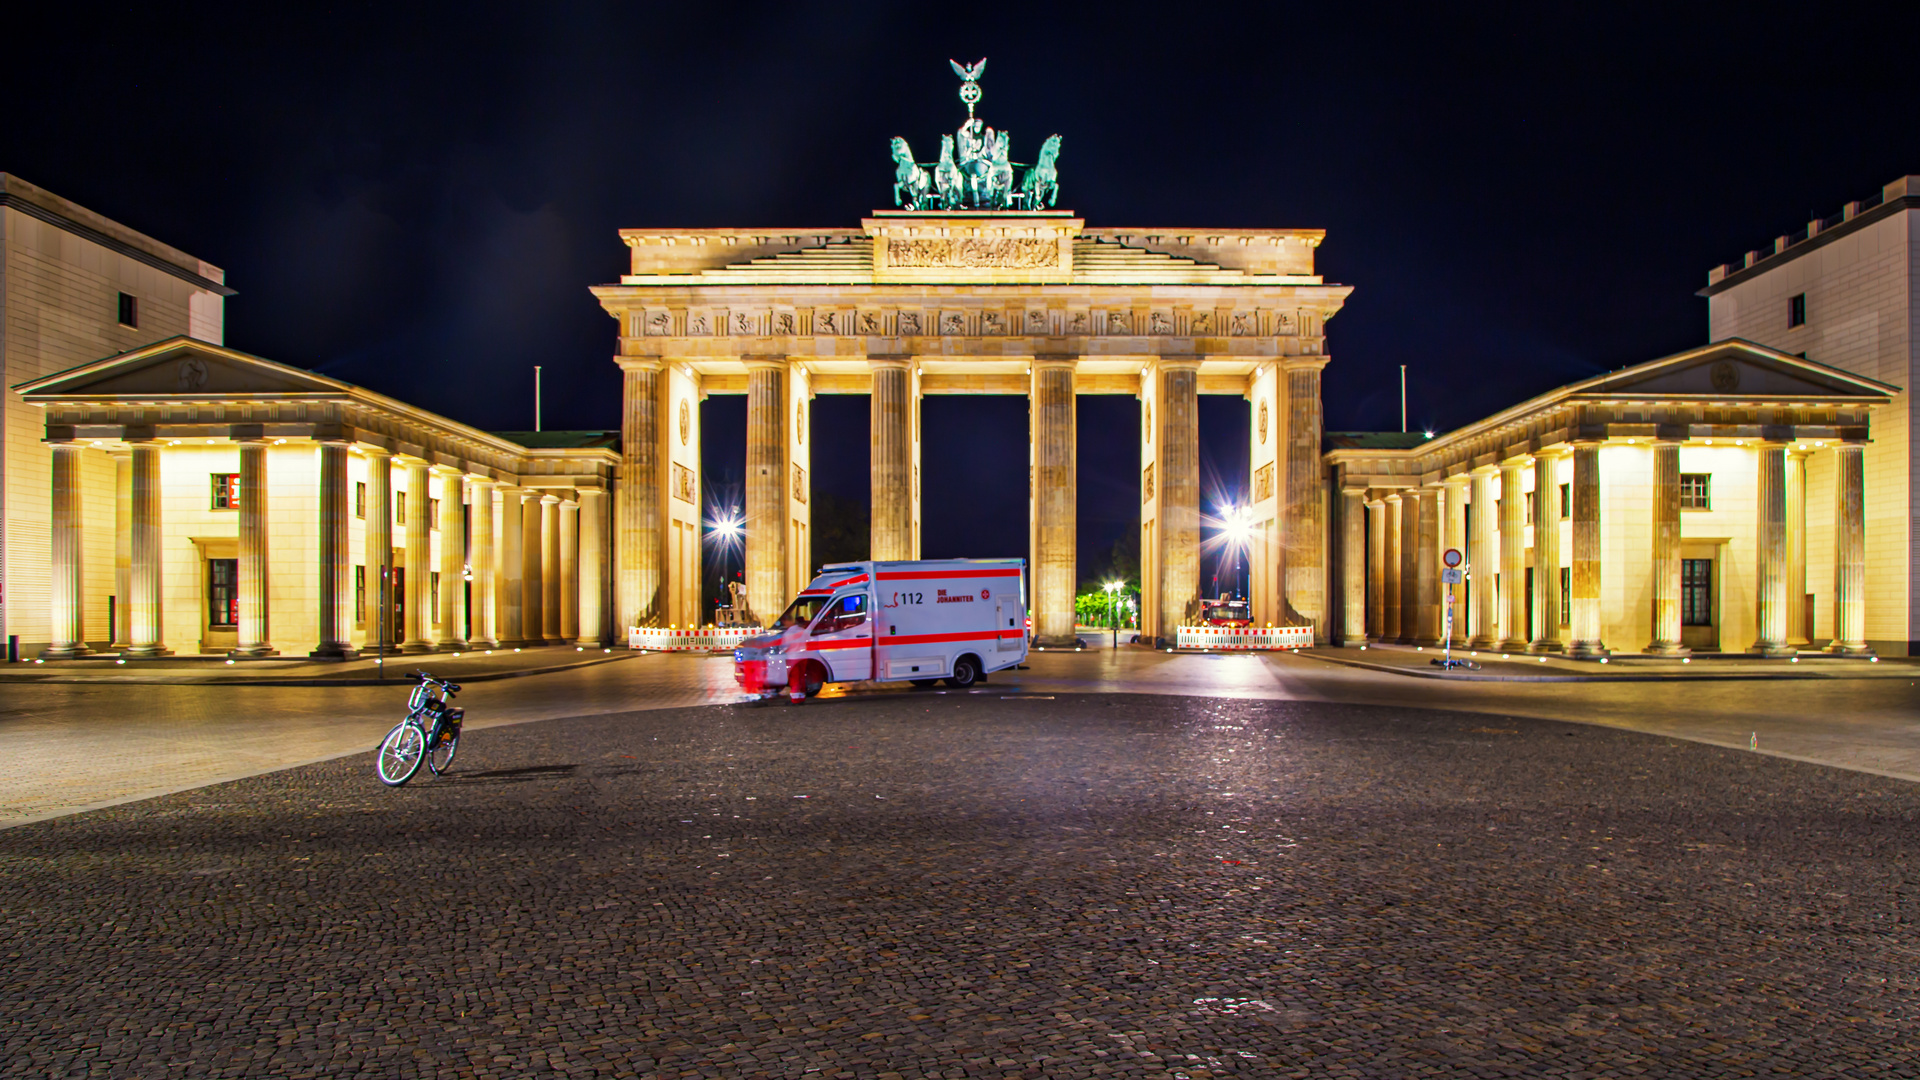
point(401, 753)
point(440, 759)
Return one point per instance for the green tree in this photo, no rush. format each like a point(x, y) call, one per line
point(841, 529)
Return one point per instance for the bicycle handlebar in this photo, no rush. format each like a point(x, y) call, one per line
point(449, 687)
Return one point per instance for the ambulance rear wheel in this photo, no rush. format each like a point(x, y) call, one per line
point(966, 672)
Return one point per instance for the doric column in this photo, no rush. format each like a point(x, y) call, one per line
point(640, 531)
point(335, 599)
point(593, 555)
point(254, 638)
point(1055, 569)
point(569, 598)
point(1583, 622)
point(1483, 562)
point(890, 432)
point(65, 638)
point(1354, 594)
point(1546, 551)
point(550, 570)
point(1426, 570)
point(533, 586)
point(767, 467)
point(510, 558)
point(1798, 632)
point(377, 550)
point(1664, 562)
point(1453, 506)
point(419, 622)
point(1513, 555)
point(1302, 521)
point(1850, 549)
point(1390, 564)
point(143, 591)
point(1410, 625)
point(486, 632)
point(1377, 512)
point(1179, 494)
point(451, 633)
point(1770, 556)
point(122, 543)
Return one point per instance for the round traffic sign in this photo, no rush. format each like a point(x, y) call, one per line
point(1452, 558)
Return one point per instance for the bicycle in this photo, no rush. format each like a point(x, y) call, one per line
point(429, 735)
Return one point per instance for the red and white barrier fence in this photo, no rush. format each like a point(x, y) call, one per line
point(698, 639)
point(1244, 637)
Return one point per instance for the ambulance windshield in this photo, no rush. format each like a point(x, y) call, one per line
point(800, 612)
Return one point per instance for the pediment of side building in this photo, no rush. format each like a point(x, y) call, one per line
point(183, 368)
point(1734, 369)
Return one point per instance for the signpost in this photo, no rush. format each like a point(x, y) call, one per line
point(1451, 575)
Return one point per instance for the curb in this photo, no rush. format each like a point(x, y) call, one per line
point(243, 680)
point(1624, 676)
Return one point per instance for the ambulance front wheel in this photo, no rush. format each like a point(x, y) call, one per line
point(812, 679)
point(966, 672)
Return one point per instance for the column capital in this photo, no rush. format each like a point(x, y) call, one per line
point(372, 451)
point(1304, 363)
point(765, 360)
point(1178, 361)
point(1350, 489)
point(1516, 463)
point(640, 363)
point(902, 361)
point(1066, 360)
point(1393, 497)
point(548, 498)
point(1482, 472)
point(444, 471)
point(1557, 450)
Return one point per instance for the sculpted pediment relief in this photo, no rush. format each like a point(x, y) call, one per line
point(1736, 370)
point(188, 368)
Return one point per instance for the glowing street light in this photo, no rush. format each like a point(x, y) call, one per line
point(1113, 611)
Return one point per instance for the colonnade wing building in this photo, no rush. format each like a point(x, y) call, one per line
point(922, 302)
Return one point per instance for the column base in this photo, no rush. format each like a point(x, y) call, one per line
point(1587, 650)
point(1772, 652)
point(1666, 648)
point(1057, 642)
point(1352, 641)
point(253, 652)
point(1838, 649)
point(335, 650)
point(65, 652)
point(1429, 642)
point(1481, 643)
point(589, 643)
point(1511, 646)
point(407, 647)
point(1548, 645)
point(454, 646)
point(144, 652)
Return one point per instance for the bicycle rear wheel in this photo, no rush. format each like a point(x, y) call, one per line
point(401, 753)
point(440, 759)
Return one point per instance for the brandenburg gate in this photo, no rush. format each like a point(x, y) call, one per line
point(972, 286)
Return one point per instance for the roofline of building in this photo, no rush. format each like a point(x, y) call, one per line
point(43, 205)
point(1902, 194)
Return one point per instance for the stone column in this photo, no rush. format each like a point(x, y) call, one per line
point(335, 599)
point(593, 557)
point(486, 625)
point(1179, 494)
point(509, 579)
point(1055, 566)
point(1798, 632)
point(1850, 550)
point(1770, 561)
point(1483, 562)
point(419, 623)
point(767, 468)
point(65, 639)
point(1410, 626)
point(122, 543)
point(452, 630)
point(144, 552)
point(254, 639)
point(569, 598)
point(640, 529)
point(1454, 536)
point(533, 586)
point(1584, 620)
point(1377, 513)
point(377, 549)
point(1428, 626)
point(1546, 552)
point(1353, 566)
point(551, 573)
point(1302, 522)
point(1390, 562)
point(1513, 555)
point(891, 434)
point(1665, 560)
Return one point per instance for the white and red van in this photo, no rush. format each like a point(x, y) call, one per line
point(952, 619)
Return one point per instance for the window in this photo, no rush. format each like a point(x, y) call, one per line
point(226, 491)
point(1694, 492)
point(359, 596)
point(1530, 504)
point(1796, 310)
point(848, 613)
point(1566, 593)
point(223, 592)
point(433, 513)
point(360, 498)
point(399, 508)
point(1696, 592)
point(129, 311)
point(1566, 501)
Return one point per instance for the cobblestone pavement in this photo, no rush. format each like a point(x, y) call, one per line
point(986, 884)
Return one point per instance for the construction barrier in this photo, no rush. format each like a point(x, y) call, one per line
point(700, 639)
point(1244, 637)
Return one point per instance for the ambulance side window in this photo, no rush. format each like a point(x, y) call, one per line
point(847, 613)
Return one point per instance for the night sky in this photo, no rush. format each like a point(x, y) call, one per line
point(417, 199)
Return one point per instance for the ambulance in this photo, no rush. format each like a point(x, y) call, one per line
point(919, 622)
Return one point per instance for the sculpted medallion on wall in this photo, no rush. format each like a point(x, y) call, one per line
point(686, 421)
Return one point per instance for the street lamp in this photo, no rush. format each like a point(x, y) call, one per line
point(1113, 611)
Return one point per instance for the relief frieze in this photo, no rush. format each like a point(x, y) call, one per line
point(974, 252)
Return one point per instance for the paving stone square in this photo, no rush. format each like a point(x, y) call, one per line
point(989, 884)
